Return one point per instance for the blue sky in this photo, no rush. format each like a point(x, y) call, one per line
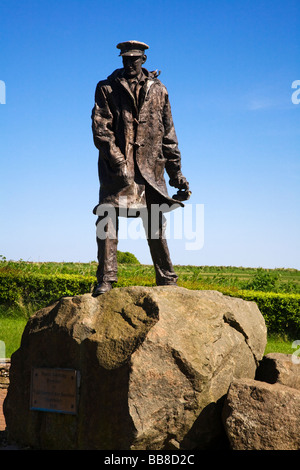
point(228, 66)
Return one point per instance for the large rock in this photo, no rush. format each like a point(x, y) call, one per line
point(155, 366)
point(262, 416)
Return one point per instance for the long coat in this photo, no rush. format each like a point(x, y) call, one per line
point(124, 130)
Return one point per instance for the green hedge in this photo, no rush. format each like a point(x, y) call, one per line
point(41, 289)
point(281, 311)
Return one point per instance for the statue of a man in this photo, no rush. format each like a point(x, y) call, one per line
point(133, 129)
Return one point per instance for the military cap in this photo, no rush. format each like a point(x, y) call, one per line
point(132, 48)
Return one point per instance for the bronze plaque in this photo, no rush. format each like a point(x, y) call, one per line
point(54, 390)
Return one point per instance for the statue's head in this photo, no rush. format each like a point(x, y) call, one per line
point(133, 56)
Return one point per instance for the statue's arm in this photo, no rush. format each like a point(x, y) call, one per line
point(102, 127)
point(171, 151)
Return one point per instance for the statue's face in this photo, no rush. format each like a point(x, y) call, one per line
point(133, 65)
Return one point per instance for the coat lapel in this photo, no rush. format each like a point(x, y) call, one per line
point(143, 92)
point(123, 82)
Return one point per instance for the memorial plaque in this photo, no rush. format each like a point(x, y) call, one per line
point(54, 390)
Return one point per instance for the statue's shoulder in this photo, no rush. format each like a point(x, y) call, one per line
point(110, 80)
point(153, 78)
point(160, 88)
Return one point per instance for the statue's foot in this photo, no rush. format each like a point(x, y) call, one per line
point(102, 288)
point(168, 283)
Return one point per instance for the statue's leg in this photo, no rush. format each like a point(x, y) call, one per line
point(159, 250)
point(107, 243)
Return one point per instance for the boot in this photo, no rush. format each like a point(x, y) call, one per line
point(102, 288)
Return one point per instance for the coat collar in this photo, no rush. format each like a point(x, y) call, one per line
point(148, 79)
point(118, 76)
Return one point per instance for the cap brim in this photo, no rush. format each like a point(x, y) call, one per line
point(131, 53)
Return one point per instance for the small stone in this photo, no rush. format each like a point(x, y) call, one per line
point(279, 368)
point(262, 416)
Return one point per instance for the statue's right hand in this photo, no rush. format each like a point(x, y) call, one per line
point(179, 181)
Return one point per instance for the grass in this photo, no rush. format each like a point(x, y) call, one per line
point(278, 344)
point(11, 330)
point(12, 324)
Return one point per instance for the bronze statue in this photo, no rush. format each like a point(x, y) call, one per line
point(133, 129)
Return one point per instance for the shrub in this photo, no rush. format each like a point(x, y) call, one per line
point(263, 281)
point(280, 311)
point(126, 258)
point(41, 289)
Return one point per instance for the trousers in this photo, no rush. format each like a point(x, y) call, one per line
point(107, 244)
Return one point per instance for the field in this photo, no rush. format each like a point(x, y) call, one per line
point(192, 277)
point(227, 279)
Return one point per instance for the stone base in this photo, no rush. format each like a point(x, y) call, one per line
point(155, 366)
